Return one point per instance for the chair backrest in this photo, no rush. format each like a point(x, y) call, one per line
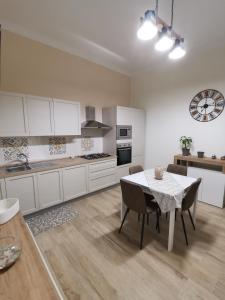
point(177, 169)
point(135, 169)
point(133, 196)
point(191, 194)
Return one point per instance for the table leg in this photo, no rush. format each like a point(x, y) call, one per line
point(171, 230)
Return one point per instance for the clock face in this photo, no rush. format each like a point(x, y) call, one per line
point(207, 105)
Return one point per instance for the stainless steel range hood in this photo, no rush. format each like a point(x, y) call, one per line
point(90, 122)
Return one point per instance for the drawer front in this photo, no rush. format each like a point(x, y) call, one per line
point(103, 173)
point(102, 182)
point(102, 166)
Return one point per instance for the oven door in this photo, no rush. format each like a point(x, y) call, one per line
point(124, 156)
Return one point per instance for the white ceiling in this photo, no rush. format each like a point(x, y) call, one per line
point(104, 31)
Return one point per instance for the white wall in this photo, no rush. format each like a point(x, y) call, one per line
point(165, 94)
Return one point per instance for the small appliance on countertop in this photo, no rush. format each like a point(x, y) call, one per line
point(95, 156)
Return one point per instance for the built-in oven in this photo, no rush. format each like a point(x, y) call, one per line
point(123, 132)
point(124, 154)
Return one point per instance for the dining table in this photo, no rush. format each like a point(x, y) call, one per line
point(168, 192)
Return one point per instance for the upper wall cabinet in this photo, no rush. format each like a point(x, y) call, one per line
point(40, 116)
point(13, 120)
point(66, 117)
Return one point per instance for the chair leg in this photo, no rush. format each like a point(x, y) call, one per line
point(148, 219)
point(125, 215)
point(192, 222)
point(184, 228)
point(139, 217)
point(142, 231)
point(157, 220)
point(175, 214)
point(166, 215)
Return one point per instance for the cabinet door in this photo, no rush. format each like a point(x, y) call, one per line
point(66, 117)
point(122, 171)
point(138, 132)
point(2, 189)
point(124, 116)
point(74, 182)
point(13, 121)
point(39, 112)
point(213, 187)
point(23, 188)
point(49, 188)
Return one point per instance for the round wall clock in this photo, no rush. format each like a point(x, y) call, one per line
point(207, 105)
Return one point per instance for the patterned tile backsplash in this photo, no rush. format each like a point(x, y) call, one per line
point(57, 145)
point(41, 148)
point(12, 146)
point(87, 144)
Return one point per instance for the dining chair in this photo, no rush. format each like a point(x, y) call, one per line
point(177, 169)
point(135, 169)
point(149, 198)
point(187, 203)
point(135, 200)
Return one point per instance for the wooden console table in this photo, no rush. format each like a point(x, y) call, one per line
point(192, 160)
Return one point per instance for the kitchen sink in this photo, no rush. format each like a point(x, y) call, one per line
point(31, 166)
point(41, 164)
point(18, 168)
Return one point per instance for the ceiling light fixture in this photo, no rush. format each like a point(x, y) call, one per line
point(166, 41)
point(148, 29)
point(178, 50)
point(168, 38)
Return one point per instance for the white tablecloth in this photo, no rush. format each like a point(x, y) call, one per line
point(168, 192)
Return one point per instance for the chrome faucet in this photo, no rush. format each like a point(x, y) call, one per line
point(19, 155)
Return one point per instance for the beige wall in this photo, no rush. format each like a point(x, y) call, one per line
point(30, 67)
point(165, 94)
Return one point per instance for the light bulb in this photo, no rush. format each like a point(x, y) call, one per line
point(147, 31)
point(177, 52)
point(164, 43)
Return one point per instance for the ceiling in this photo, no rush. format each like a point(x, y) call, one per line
point(104, 31)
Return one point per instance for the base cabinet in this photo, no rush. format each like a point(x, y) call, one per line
point(23, 188)
point(49, 185)
point(122, 171)
point(74, 182)
point(101, 175)
point(212, 189)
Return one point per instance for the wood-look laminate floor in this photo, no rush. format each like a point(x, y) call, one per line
point(92, 261)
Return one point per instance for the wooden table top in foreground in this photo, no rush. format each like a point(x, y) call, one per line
point(27, 278)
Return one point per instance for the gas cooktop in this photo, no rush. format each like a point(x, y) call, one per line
point(95, 156)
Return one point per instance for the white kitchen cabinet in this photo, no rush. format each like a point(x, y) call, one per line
point(13, 115)
point(212, 189)
point(24, 188)
point(2, 189)
point(74, 182)
point(101, 175)
point(124, 115)
point(122, 171)
point(138, 132)
point(50, 189)
point(66, 117)
point(40, 116)
point(138, 160)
